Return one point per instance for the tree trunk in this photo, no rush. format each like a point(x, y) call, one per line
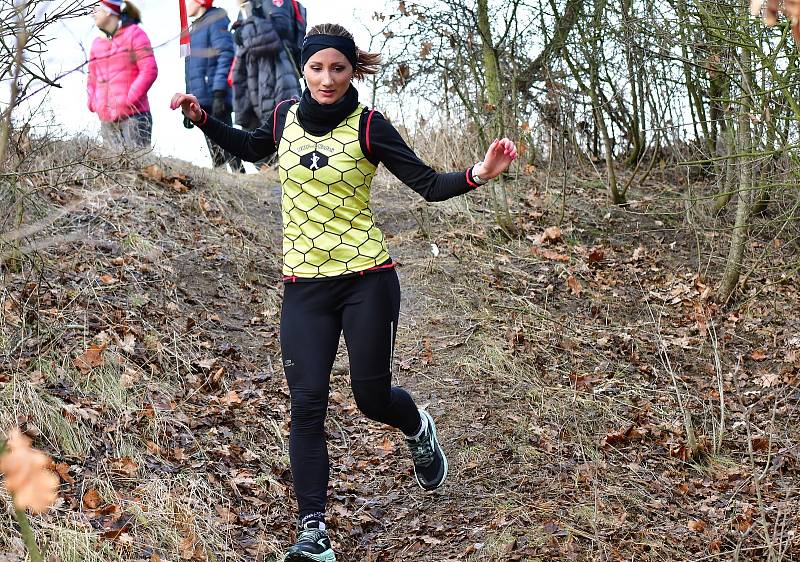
point(613, 190)
point(491, 69)
point(635, 135)
point(490, 65)
point(727, 171)
point(733, 266)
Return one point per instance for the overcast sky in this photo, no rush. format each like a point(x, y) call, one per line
point(162, 24)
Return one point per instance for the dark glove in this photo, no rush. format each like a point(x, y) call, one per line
point(187, 123)
point(219, 109)
point(237, 33)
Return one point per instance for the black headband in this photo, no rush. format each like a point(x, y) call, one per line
point(316, 43)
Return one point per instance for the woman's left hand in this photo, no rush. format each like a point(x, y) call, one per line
point(498, 158)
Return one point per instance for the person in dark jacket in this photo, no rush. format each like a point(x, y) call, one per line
point(207, 70)
point(264, 73)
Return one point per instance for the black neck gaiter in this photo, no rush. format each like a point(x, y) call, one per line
point(320, 119)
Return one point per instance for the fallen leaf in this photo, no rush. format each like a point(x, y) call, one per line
point(125, 466)
point(758, 355)
point(696, 525)
point(574, 285)
point(128, 343)
point(770, 379)
point(761, 443)
point(91, 499)
point(62, 469)
point(108, 279)
point(205, 205)
point(91, 358)
point(549, 254)
point(427, 353)
point(118, 529)
point(387, 445)
point(551, 234)
point(26, 475)
point(596, 255)
point(620, 437)
point(231, 398)
point(154, 172)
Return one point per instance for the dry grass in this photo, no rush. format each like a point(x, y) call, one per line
point(22, 399)
point(122, 408)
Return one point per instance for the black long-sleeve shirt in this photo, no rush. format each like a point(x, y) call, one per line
point(381, 143)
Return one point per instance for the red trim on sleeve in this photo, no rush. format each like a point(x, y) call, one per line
point(369, 122)
point(230, 72)
point(298, 16)
point(203, 118)
point(471, 183)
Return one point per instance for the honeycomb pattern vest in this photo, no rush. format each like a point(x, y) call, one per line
point(328, 226)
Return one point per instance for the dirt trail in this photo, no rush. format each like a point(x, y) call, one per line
point(377, 510)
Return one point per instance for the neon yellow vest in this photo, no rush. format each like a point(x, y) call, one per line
point(328, 226)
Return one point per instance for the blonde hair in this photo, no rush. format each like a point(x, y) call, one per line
point(366, 63)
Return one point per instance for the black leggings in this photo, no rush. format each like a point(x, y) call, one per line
point(314, 315)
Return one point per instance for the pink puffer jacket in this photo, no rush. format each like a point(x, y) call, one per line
point(121, 71)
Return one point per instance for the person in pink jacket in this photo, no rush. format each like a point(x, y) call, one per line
point(122, 68)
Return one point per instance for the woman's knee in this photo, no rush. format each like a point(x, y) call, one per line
point(374, 400)
point(308, 410)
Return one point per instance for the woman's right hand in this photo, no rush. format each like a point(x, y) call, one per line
point(189, 105)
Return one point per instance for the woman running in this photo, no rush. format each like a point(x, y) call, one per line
point(337, 271)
